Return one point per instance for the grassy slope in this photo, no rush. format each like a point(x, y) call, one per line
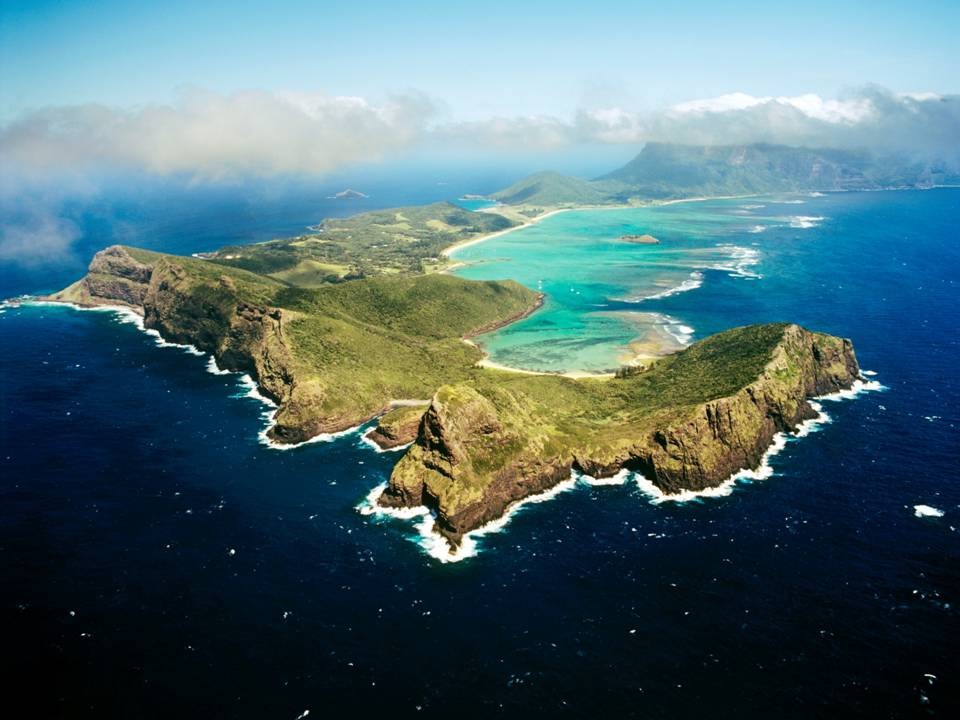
point(355, 345)
point(551, 189)
point(546, 418)
point(398, 240)
point(370, 341)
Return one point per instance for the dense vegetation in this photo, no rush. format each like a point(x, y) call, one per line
point(406, 240)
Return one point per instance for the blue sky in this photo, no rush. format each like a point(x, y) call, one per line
point(475, 59)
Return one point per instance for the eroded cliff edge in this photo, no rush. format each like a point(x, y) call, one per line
point(688, 423)
point(331, 357)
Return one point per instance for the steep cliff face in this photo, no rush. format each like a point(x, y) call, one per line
point(472, 458)
point(114, 277)
point(332, 357)
point(398, 427)
point(208, 312)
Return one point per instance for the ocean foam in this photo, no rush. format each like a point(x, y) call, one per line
point(438, 547)
point(756, 229)
point(435, 544)
point(215, 369)
point(741, 260)
point(805, 222)
point(692, 283)
point(365, 439)
point(922, 511)
point(858, 387)
point(683, 334)
point(270, 415)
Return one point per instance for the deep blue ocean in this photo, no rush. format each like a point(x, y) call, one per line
point(157, 561)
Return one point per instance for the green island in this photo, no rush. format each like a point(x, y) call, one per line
point(354, 322)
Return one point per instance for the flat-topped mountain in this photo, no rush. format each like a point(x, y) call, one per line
point(663, 170)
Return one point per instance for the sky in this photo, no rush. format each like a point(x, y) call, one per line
point(478, 59)
point(214, 90)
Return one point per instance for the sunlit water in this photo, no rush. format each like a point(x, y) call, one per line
point(159, 561)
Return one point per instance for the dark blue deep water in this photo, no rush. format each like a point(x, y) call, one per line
point(158, 562)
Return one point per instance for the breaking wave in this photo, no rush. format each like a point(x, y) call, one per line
point(438, 547)
point(805, 222)
point(741, 259)
point(692, 283)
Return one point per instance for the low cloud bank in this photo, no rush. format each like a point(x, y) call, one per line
point(208, 136)
point(211, 136)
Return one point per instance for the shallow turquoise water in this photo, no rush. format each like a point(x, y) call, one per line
point(601, 292)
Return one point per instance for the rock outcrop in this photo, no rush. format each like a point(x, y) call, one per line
point(114, 277)
point(398, 427)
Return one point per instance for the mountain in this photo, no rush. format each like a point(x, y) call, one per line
point(551, 188)
point(664, 170)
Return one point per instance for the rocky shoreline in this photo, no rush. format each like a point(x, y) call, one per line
point(490, 440)
point(690, 451)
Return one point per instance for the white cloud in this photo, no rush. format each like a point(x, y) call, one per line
point(207, 135)
point(210, 136)
point(852, 110)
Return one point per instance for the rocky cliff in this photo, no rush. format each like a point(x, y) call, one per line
point(332, 357)
point(481, 448)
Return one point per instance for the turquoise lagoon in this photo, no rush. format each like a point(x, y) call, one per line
point(600, 310)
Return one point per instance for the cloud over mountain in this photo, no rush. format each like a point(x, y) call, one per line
point(927, 124)
point(210, 136)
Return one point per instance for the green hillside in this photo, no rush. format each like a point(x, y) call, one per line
point(398, 240)
point(663, 170)
point(551, 189)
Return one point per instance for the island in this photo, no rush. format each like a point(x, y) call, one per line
point(348, 194)
point(357, 323)
point(640, 239)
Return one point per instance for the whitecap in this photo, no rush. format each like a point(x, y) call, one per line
point(805, 222)
point(756, 229)
point(619, 479)
point(922, 511)
point(692, 283)
point(741, 259)
point(160, 342)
